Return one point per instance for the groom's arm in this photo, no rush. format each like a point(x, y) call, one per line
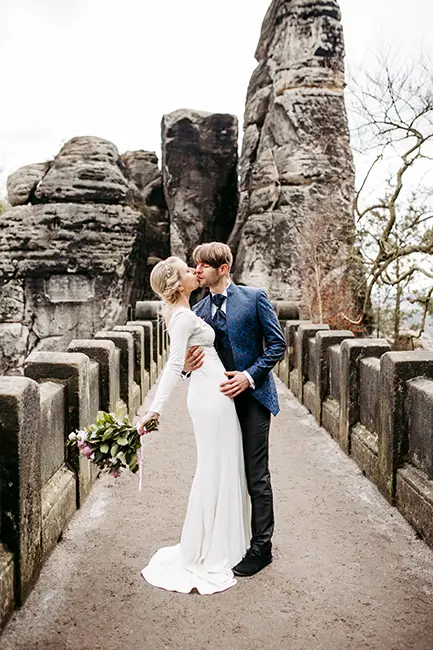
point(274, 340)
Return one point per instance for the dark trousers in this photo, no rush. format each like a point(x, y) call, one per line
point(255, 422)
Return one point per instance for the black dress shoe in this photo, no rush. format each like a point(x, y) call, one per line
point(253, 562)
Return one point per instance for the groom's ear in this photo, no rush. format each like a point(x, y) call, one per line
point(223, 269)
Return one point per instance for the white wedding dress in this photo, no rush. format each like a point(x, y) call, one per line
point(216, 530)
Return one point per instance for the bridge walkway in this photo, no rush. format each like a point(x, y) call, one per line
point(349, 572)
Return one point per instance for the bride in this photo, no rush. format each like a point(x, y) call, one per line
point(216, 530)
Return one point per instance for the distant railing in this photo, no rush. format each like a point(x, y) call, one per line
point(41, 486)
point(378, 406)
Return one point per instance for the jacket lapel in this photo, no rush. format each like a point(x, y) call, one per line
point(231, 305)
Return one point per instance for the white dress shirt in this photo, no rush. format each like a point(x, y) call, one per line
point(224, 310)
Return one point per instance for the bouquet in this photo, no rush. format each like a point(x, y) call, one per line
point(112, 442)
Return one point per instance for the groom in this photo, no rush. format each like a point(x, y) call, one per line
point(249, 342)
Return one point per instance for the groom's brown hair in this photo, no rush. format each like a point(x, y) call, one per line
point(215, 254)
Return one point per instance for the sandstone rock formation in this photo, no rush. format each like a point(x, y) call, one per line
point(296, 167)
point(75, 248)
point(22, 183)
point(141, 169)
point(199, 167)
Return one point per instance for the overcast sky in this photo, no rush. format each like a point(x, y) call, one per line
point(111, 68)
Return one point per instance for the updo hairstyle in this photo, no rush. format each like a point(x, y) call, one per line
point(165, 279)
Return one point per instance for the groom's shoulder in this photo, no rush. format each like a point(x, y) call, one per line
point(250, 292)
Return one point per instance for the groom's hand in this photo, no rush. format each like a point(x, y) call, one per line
point(193, 359)
point(235, 385)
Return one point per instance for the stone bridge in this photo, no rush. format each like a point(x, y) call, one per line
point(352, 462)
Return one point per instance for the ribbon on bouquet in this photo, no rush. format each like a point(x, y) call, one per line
point(140, 457)
point(151, 425)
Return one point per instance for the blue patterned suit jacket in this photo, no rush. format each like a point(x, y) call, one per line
point(252, 324)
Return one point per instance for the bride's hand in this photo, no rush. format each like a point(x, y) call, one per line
point(141, 424)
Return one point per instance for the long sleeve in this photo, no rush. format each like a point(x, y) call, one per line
point(180, 330)
point(274, 340)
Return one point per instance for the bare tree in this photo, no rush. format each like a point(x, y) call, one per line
point(393, 110)
point(327, 291)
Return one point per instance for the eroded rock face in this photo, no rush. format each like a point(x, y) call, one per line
point(86, 169)
point(296, 167)
point(141, 169)
point(78, 246)
point(199, 169)
point(22, 183)
point(66, 270)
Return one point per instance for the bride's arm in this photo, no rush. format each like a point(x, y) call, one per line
point(181, 327)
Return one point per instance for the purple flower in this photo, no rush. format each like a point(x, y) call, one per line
point(87, 451)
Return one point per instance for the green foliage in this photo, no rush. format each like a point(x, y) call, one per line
point(111, 442)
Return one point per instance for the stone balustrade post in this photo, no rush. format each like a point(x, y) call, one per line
point(305, 332)
point(141, 376)
point(129, 390)
point(352, 352)
point(20, 483)
point(324, 340)
point(149, 359)
point(397, 368)
point(72, 370)
point(107, 356)
point(150, 310)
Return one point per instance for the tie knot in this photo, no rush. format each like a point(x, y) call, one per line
point(218, 299)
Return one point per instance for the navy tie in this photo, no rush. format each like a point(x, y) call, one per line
point(222, 341)
point(218, 300)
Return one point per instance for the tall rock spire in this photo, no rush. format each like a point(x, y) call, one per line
point(296, 166)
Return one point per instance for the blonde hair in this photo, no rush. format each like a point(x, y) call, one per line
point(214, 253)
point(165, 281)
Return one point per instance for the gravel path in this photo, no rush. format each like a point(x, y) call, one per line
point(348, 572)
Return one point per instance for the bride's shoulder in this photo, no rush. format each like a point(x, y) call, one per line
point(180, 315)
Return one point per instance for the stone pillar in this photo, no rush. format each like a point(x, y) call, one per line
point(107, 356)
point(352, 352)
point(291, 330)
point(149, 362)
point(140, 375)
point(20, 475)
point(414, 489)
point(129, 390)
point(324, 340)
point(59, 486)
point(304, 334)
point(285, 311)
point(397, 368)
point(150, 310)
point(71, 370)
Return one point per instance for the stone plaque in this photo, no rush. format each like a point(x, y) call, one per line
point(69, 288)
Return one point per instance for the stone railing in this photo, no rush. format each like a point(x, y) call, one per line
point(378, 406)
point(376, 403)
point(41, 484)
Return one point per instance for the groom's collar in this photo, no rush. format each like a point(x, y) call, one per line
point(225, 292)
